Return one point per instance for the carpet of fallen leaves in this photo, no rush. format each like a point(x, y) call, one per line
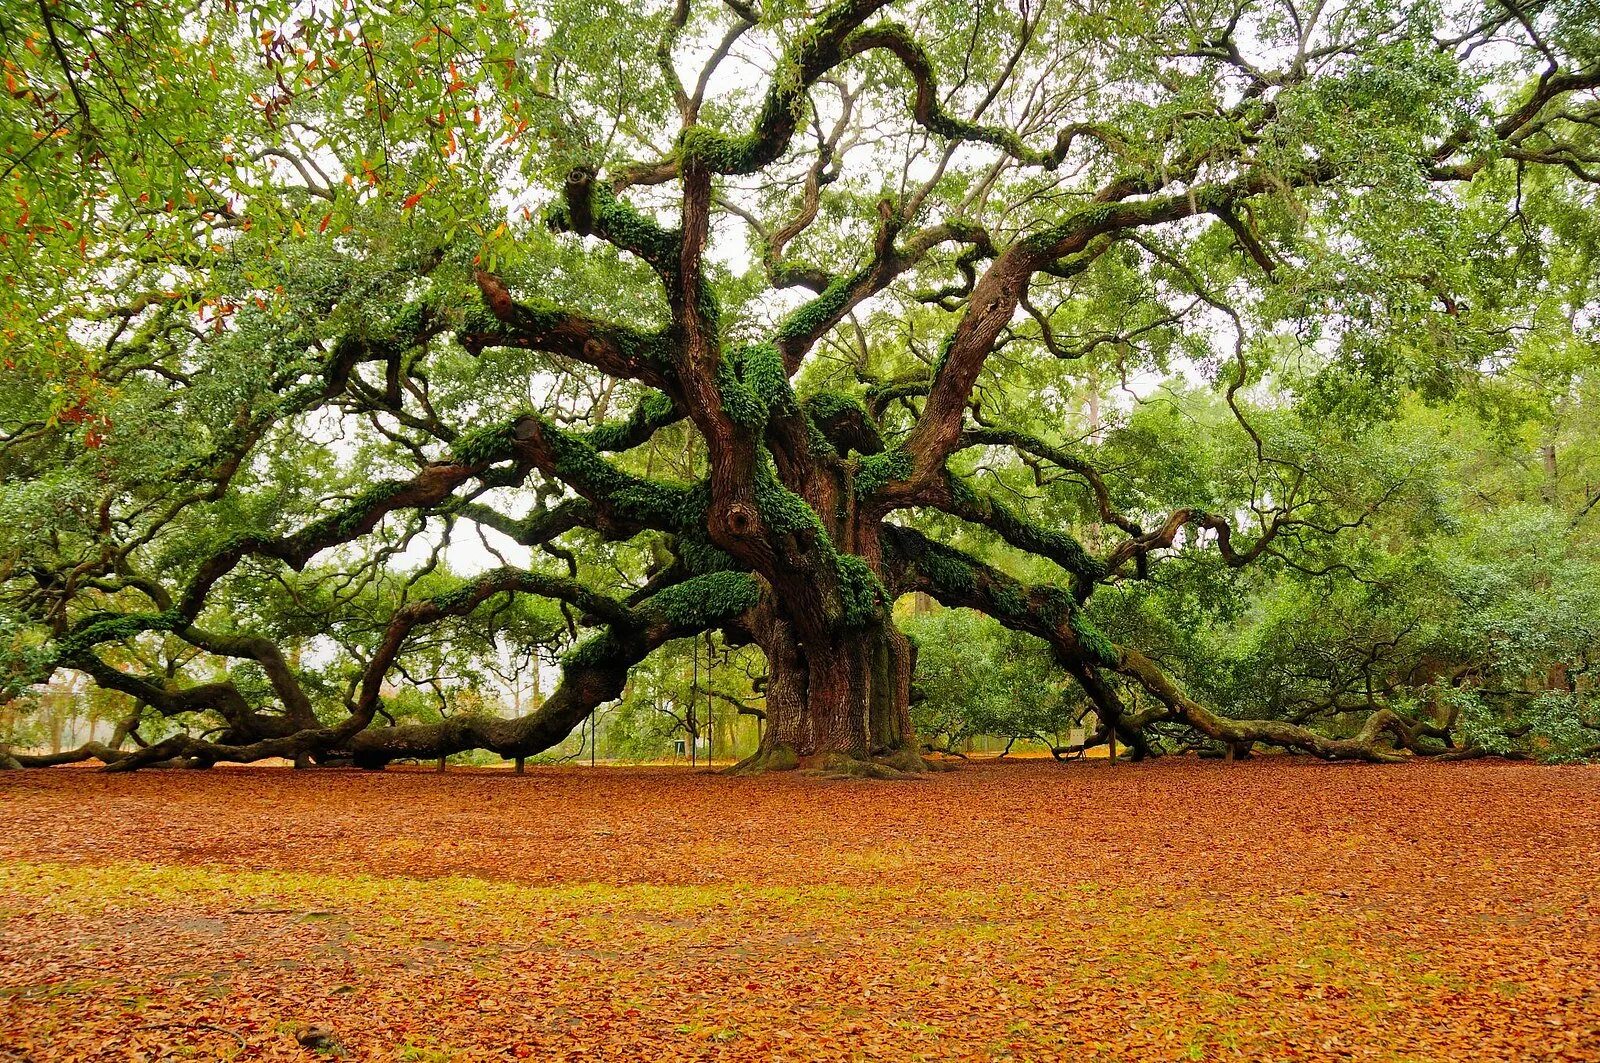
point(1274, 909)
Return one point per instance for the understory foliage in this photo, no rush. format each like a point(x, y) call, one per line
point(389, 383)
point(977, 679)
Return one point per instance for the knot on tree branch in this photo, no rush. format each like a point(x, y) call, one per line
point(741, 519)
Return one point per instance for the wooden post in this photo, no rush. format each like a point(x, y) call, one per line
point(519, 765)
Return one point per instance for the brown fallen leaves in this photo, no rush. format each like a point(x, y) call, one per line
point(1030, 911)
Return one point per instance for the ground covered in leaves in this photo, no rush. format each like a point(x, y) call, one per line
point(1031, 911)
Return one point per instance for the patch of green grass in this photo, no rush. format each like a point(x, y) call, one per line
point(417, 1053)
point(54, 991)
point(1034, 944)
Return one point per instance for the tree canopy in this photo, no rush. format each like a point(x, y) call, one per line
point(1242, 355)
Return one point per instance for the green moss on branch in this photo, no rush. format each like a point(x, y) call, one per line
point(862, 594)
point(1094, 641)
point(874, 472)
point(485, 446)
point(116, 629)
point(705, 601)
point(653, 412)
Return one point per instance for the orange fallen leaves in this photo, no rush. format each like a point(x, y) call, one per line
point(1180, 910)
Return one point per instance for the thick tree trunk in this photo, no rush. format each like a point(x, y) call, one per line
point(842, 705)
point(838, 695)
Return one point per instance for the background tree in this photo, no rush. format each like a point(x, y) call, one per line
point(752, 331)
point(975, 678)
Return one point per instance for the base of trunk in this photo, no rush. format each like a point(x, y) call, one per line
point(902, 763)
point(844, 766)
point(778, 758)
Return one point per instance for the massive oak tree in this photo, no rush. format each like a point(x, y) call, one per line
point(720, 313)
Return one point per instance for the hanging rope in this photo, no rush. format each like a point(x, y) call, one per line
point(694, 694)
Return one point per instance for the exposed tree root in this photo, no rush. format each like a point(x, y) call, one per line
point(907, 760)
point(777, 758)
point(902, 763)
point(844, 766)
